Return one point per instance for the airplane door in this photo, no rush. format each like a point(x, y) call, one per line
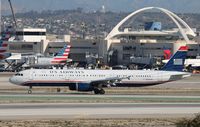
point(31, 76)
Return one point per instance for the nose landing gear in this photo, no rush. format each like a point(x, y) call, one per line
point(30, 90)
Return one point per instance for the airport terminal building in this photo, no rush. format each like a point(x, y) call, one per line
point(124, 46)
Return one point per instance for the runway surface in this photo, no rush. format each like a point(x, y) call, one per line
point(102, 110)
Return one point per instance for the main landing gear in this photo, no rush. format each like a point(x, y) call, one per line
point(30, 90)
point(99, 91)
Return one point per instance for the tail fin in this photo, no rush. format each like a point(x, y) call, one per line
point(63, 54)
point(176, 62)
point(64, 51)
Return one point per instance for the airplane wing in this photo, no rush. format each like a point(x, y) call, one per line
point(108, 81)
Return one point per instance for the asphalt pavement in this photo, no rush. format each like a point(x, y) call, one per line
point(101, 110)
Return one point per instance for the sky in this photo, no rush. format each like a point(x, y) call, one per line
point(178, 6)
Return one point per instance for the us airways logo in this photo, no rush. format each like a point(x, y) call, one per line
point(178, 62)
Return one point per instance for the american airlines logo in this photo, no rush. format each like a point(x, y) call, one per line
point(178, 61)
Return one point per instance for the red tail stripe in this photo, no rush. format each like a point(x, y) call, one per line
point(183, 48)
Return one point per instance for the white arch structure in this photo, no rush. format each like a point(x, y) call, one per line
point(177, 20)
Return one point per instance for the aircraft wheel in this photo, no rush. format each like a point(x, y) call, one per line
point(96, 91)
point(29, 91)
point(58, 90)
point(102, 91)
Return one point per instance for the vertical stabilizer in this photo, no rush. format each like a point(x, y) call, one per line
point(62, 55)
point(176, 62)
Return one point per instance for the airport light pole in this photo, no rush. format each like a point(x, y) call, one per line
point(13, 14)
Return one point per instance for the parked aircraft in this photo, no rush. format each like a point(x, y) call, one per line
point(192, 63)
point(60, 59)
point(5, 36)
point(39, 60)
point(96, 80)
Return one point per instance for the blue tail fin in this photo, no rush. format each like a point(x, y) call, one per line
point(176, 62)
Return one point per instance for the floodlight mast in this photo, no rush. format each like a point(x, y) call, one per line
point(13, 14)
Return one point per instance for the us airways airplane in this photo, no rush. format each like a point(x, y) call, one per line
point(96, 80)
point(192, 63)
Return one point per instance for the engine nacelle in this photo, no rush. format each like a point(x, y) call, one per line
point(81, 87)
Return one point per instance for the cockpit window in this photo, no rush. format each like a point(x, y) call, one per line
point(18, 74)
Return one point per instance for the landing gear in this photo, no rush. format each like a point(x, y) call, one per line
point(30, 90)
point(58, 90)
point(96, 91)
point(102, 91)
point(99, 91)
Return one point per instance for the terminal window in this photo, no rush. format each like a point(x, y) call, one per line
point(21, 47)
point(126, 56)
point(27, 47)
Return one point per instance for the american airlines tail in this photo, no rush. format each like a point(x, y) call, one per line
point(62, 55)
point(3, 49)
point(176, 62)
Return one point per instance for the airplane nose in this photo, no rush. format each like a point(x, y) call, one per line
point(12, 80)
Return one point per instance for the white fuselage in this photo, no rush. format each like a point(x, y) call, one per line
point(44, 61)
point(193, 62)
point(64, 77)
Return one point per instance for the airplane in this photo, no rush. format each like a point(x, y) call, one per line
point(191, 63)
point(42, 62)
point(60, 59)
point(95, 80)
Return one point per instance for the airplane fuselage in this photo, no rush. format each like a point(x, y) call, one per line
point(66, 77)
